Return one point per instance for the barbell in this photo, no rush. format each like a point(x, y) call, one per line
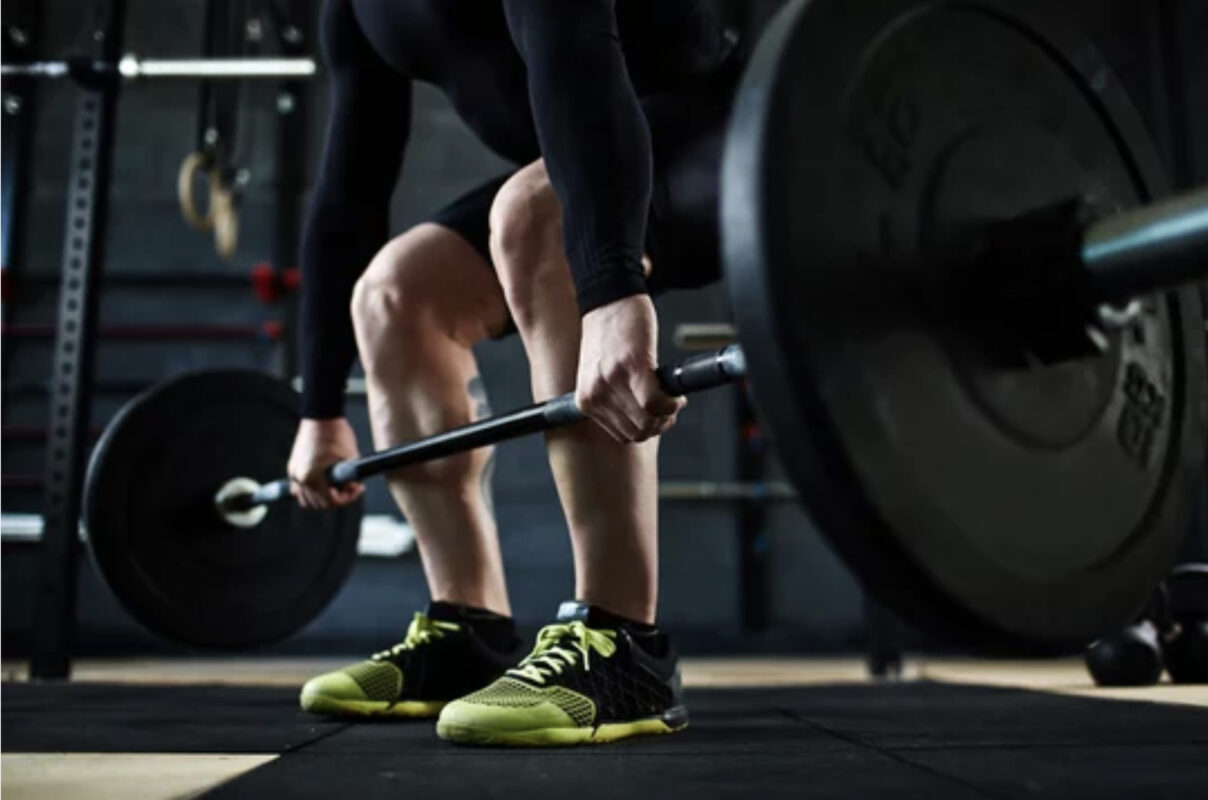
point(965, 311)
point(94, 72)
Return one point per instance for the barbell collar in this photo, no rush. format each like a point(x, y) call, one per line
point(231, 503)
point(236, 513)
point(1156, 246)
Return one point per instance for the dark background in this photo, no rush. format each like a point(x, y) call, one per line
point(1157, 48)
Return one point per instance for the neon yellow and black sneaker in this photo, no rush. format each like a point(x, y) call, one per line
point(449, 651)
point(589, 679)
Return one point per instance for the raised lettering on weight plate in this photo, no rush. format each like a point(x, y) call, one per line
point(1141, 418)
point(886, 135)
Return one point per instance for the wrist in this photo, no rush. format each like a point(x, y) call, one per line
point(633, 302)
point(608, 288)
point(324, 424)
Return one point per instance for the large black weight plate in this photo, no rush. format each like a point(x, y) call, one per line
point(174, 564)
point(999, 505)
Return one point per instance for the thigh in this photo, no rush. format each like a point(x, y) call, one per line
point(430, 277)
point(469, 216)
point(467, 220)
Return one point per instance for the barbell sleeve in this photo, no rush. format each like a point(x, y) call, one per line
point(691, 375)
point(1153, 247)
point(704, 372)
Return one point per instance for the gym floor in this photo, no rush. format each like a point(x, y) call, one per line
point(160, 729)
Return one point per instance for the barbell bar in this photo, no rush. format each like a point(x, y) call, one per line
point(692, 375)
point(1155, 246)
point(131, 67)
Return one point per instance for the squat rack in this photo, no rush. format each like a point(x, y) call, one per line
point(100, 72)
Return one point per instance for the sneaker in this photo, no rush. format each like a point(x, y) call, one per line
point(586, 681)
point(447, 653)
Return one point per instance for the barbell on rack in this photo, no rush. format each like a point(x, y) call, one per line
point(92, 72)
point(985, 377)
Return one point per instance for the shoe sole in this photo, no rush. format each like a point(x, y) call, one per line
point(375, 709)
point(554, 737)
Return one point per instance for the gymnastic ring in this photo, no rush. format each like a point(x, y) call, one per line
point(224, 211)
point(194, 162)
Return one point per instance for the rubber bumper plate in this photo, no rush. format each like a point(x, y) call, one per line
point(1032, 505)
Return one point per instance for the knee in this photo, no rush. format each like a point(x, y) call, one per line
point(526, 237)
point(526, 217)
point(389, 298)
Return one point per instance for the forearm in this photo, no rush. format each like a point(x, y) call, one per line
point(347, 221)
point(594, 138)
point(336, 248)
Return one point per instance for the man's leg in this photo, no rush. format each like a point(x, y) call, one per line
point(608, 490)
point(426, 299)
point(603, 671)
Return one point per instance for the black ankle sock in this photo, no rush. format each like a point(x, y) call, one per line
point(495, 630)
point(648, 637)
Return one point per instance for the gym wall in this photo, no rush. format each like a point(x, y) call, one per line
point(811, 602)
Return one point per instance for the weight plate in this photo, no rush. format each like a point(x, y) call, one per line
point(174, 564)
point(998, 505)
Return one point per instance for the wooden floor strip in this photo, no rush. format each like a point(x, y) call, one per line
point(119, 776)
point(1062, 676)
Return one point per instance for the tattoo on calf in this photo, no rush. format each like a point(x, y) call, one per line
point(482, 409)
point(478, 394)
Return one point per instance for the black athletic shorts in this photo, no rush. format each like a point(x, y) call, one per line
point(682, 233)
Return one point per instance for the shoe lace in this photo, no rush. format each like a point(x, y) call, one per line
point(422, 630)
point(560, 646)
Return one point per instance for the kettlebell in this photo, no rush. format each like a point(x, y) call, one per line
point(1185, 645)
point(1131, 657)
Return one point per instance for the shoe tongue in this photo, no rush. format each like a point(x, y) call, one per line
point(592, 616)
point(574, 611)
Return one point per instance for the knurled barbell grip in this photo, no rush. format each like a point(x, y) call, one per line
point(692, 375)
